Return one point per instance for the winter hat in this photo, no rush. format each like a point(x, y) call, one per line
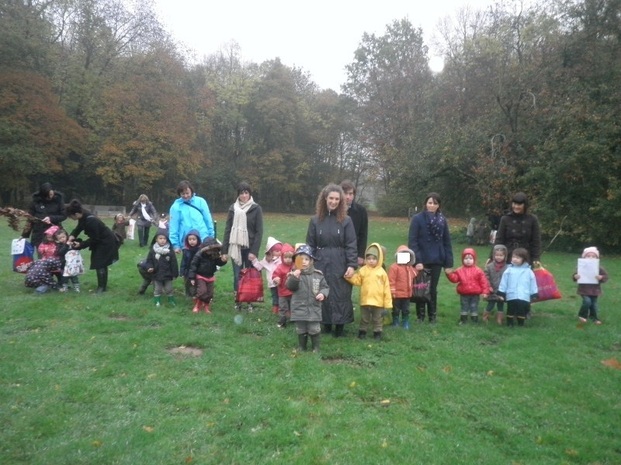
point(45, 188)
point(373, 251)
point(589, 250)
point(305, 250)
point(273, 245)
point(287, 249)
point(404, 250)
point(211, 244)
point(499, 248)
point(520, 197)
point(51, 230)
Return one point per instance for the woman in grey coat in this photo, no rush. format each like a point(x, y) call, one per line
point(146, 215)
point(332, 237)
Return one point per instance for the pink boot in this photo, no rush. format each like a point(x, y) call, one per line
point(197, 305)
point(206, 307)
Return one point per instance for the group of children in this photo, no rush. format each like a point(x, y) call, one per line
point(58, 264)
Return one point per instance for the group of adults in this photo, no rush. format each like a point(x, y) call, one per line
point(337, 234)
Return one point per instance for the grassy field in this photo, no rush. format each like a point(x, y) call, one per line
point(110, 379)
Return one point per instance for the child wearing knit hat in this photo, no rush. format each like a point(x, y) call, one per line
point(589, 275)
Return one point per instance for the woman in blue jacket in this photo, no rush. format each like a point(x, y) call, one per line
point(430, 240)
point(188, 212)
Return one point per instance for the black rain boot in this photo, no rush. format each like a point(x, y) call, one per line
point(474, 319)
point(521, 320)
point(377, 335)
point(315, 341)
point(362, 334)
point(338, 331)
point(327, 329)
point(510, 321)
point(463, 319)
point(432, 310)
point(302, 342)
point(102, 280)
point(420, 313)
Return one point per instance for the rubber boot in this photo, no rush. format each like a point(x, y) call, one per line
point(171, 301)
point(520, 320)
point(207, 308)
point(510, 321)
point(395, 321)
point(406, 322)
point(474, 319)
point(338, 331)
point(158, 301)
point(499, 317)
point(377, 335)
point(420, 313)
point(362, 334)
point(102, 280)
point(432, 310)
point(275, 309)
point(315, 341)
point(463, 319)
point(485, 316)
point(76, 288)
point(282, 322)
point(197, 305)
point(327, 329)
point(302, 342)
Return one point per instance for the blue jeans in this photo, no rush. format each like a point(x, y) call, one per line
point(589, 307)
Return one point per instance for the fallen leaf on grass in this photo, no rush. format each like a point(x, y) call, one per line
point(384, 443)
point(352, 384)
point(97, 443)
point(385, 402)
point(447, 369)
point(188, 460)
point(612, 363)
point(148, 429)
point(490, 373)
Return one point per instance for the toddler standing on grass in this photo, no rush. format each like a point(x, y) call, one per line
point(518, 287)
point(590, 291)
point(471, 285)
point(493, 272)
point(72, 264)
point(162, 265)
point(401, 275)
point(273, 251)
point(191, 245)
point(202, 273)
point(375, 296)
point(309, 288)
point(119, 228)
point(280, 278)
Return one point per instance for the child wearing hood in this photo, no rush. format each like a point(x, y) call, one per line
point(518, 287)
point(309, 289)
point(590, 291)
point(375, 296)
point(191, 245)
point(493, 272)
point(401, 275)
point(47, 247)
point(471, 285)
point(161, 263)
point(273, 251)
point(280, 277)
point(202, 273)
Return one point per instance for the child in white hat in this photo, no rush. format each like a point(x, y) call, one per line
point(589, 286)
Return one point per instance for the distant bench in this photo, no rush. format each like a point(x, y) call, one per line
point(107, 210)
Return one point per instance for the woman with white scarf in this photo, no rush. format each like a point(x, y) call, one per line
point(146, 215)
point(243, 232)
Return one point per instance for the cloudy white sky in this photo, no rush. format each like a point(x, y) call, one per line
point(319, 36)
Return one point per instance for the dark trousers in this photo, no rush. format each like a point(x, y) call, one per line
point(517, 310)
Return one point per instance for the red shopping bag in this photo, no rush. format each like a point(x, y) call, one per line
point(250, 288)
point(546, 285)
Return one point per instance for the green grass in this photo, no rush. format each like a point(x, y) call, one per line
point(88, 379)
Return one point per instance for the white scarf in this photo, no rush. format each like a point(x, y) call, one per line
point(145, 215)
point(161, 250)
point(238, 239)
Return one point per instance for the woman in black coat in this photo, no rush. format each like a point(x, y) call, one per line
point(48, 206)
point(520, 229)
point(101, 241)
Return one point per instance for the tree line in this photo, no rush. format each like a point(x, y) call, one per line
point(96, 97)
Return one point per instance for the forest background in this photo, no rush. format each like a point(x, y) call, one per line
point(98, 98)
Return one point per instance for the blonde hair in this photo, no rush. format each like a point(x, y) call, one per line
point(321, 207)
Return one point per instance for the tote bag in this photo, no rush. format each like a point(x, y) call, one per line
point(250, 288)
point(546, 285)
point(421, 292)
point(22, 252)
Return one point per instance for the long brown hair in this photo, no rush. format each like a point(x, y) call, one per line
point(321, 207)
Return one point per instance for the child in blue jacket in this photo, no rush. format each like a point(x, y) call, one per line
point(518, 287)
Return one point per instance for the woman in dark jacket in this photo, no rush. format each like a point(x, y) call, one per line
point(332, 237)
point(146, 215)
point(48, 206)
point(101, 241)
point(243, 232)
point(520, 229)
point(430, 240)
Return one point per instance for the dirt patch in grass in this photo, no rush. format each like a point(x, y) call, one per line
point(119, 317)
point(186, 351)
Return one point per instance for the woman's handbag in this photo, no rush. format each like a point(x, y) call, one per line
point(250, 287)
point(22, 252)
point(421, 292)
point(546, 285)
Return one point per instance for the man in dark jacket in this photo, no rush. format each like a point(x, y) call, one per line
point(48, 206)
point(359, 217)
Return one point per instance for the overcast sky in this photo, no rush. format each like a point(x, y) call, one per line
point(319, 36)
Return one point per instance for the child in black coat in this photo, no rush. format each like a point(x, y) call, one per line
point(202, 270)
point(191, 245)
point(162, 264)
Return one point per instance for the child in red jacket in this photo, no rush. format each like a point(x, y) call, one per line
point(401, 275)
point(280, 277)
point(471, 285)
